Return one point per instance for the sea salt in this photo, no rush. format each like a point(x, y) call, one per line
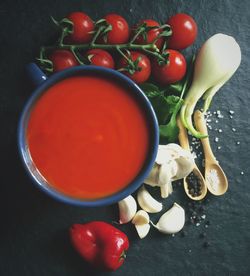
point(231, 111)
point(216, 139)
point(233, 129)
point(237, 143)
point(213, 179)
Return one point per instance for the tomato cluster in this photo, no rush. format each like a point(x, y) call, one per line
point(136, 63)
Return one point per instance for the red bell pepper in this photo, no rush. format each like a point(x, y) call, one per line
point(100, 244)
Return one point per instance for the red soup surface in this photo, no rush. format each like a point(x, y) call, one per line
point(88, 137)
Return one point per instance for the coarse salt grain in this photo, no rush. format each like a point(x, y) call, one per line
point(237, 143)
point(231, 111)
point(241, 173)
point(216, 139)
point(233, 129)
point(220, 130)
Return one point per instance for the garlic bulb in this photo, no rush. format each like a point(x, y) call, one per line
point(172, 221)
point(172, 163)
point(147, 202)
point(127, 209)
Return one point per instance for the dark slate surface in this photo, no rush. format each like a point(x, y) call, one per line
point(34, 237)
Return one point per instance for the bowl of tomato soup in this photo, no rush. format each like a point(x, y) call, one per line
point(88, 136)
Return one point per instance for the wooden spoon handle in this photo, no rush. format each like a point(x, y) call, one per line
point(201, 126)
point(183, 137)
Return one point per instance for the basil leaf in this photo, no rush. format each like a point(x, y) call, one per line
point(150, 89)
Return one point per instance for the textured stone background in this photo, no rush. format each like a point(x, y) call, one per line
point(34, 237)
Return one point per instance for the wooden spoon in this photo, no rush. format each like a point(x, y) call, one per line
point(215, 177)
point(183, 139)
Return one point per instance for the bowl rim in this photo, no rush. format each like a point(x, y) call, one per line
point(149, 161)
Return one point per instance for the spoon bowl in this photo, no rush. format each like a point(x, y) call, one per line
point(215, 177)
point(183, 139)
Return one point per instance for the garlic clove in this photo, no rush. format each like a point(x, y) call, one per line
point(127, 209)
point(140, 218)
point(172, 221)
point(142, 230)
point(165, 177)
point(147, 202)
point(153, 177)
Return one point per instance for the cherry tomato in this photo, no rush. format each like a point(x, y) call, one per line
point(100, 57)
point(120, 30)
point(82, 27)
point(62, 59)
point(151, 34)
point(184, 31)
point(171, 72)
point(144, 67)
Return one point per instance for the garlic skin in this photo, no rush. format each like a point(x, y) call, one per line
point(142, 230)
point(172, 221)
point(127, 209)
point(172, 163)
point(147, 202)
point(140, 218)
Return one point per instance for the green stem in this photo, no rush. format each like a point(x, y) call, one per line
point(96, 35)
point(76, 56)
point(136, 35)
point(154, 53)
point(146, 47)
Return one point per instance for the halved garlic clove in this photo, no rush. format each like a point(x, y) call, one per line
point(165, 183)
point(147, 202)
point(172, 221)
point(127, 209)
point(142, 230)
point(140, 218)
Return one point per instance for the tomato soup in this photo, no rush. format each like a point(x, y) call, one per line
point(88, 137)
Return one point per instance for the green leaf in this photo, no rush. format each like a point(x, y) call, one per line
point(169, 132)
point(150, 89)
point(175, 87)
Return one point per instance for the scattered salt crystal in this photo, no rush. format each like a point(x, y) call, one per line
point(216, 121)
point(233, 129)
point(173, 235)
point(214, 112)
point(209, 127)
point(220, 116)
point(219, 147)
point(209, 120)
point(241, 173)
point(218, 111)
point(220, 130)
point(198, 224)
point(206, 226)
point(237, 143)
point(231, 117)
point(189, 250)
point(203, 216)
point(231, 111)
point(216, 139)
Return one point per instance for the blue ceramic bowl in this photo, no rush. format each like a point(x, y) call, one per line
point(43, 84)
